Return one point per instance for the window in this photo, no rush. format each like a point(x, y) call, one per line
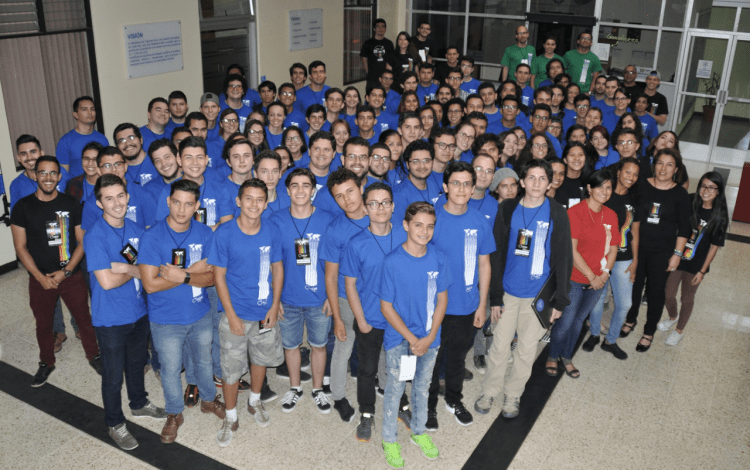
point(358, 18)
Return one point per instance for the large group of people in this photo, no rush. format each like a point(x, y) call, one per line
point(304, 207)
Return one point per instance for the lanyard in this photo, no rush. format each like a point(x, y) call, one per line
point(169, 231)
point(355, 224)
point(523, 214)
point(122, 237)
point(295, 223)
point(390, 233)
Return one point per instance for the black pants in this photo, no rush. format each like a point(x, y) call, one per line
point(456, 339)
point(368, 351)
point(651, 272)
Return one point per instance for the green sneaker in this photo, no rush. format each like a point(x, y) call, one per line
point(425, 444)
point(393, 454)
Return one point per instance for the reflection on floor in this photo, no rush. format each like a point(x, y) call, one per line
point(732, 131)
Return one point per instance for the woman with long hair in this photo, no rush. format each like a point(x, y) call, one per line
point(409, 102)
point(341, 132)
point(572, 190)
point(665, 140)
point(255, 132)
point(429, 119)
point(352, 100)
point(599, 139)
point(294, 140)
point(453, 112)
point(397, 172)
point(709, 221)
point(571, 91)
point(509, 139)
point(558, 175)
point(538, 147)
point(405, 57)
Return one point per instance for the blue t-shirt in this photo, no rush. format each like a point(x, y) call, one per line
point(149, 136)
point(248, 260)
point(611, 158)
point(406, 193)
point(650, 127)
point(427, 93)
point(527, 96)
point(472, 231)
point(22, 186)
point(392, 100)
point(242, 114)
point(214, 199)
point(324, 200)
point(518, 279)
point(306, 97)
point(102, 244)
point(363, 260)
point(610, 120)
point(70, 149)
point(141, 209)
point(155, 187)
point(350, 118)
point(568, 120)
point(386, 121)
point(274, 140)
point(471, 86)
point(496, 116)
point(144, 172)
point(337, 236)
point(182, 304)
point(295, 118)
point(372, 140)
point(411, 285)
point(467, 156)
point(281, 202)
point(487, 206)
point(304, 285)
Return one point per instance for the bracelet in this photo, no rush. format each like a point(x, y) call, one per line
point(678, 253)
point(702, 272)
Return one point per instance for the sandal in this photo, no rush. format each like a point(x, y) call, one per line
point(552, 371)
point(191, 395)
point(623, 333)
point(644, 347)
point(574, 373)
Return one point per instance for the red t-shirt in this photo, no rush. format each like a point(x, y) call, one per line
point(596, 232)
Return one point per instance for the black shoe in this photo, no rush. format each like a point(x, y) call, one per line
point(468, 375)
point(304, 377)
point(305, 354)
point(266, 394)
point(432, 422)
point(41, 376)
point(96, 363)
point(463, 416)
point(480, 363)
point(404, 415)
point(615, 350)
point(327, 385)
point(644, 347)
point(623, 333)
point(380, 391)
point(244, 386)
point(588, 346)
point(345, 410)
point(282, 371)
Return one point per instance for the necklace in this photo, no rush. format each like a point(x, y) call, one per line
point(601, 222)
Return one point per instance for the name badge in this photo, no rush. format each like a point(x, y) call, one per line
point(654, 214)
point(130, 254)
point(302, 251)
point(54, 234)
point(584, 70)
point(523, 242)
point(408, 368)
point(262, 329)
point(178, 257)
point(200, 215)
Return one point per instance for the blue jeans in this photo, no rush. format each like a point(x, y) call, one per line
point(169, 341)
point(420, 391)
point(568, 326)
point(293, 326)
point(123, 348)
point(213, 297)
point(622, 290)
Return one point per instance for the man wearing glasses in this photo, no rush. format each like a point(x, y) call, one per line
point(423, 42)
point(540, 119)
point(356, 157)
point(129, 140)
point(519, 53)
point(419, 185)
point(632, 89)
point(582, 64)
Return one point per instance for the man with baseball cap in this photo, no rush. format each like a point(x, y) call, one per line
point(210, 108)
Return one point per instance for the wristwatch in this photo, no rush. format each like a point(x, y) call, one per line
point(67, 273)
point(605, 270)
point(187, 279)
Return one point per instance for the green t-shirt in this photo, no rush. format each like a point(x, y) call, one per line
point(514, 55)
point(581, 67)
point(540, 68)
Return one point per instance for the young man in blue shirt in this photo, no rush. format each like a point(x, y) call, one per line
point(82, 186)
point(70, 146)
point(367, 127)
point(413, 296)
point(288, 97)
point(322, 147)
point(302, 230)
point(163, 155)
point(118, 308)
point(385, 119)
point(469, 84)
point(314, 93)
point(246, 255)
point(355, 158)
point(158, 118)
point(178, 109)
point(426, 90)
point(418, 186)
point(129, 140)
point(459, 225)
point(235, 87)
point(174, 271)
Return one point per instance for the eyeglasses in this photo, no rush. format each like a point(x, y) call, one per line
point(229, 121)
point(125, 139)
point(234, 87)
point(541, 118)
point(555, 128)
point(384, 205)
point(109, 166)
point(583, 106)
point(387, 79)
point(443, 146)
point(464, 135)
point(586, 38)
point(361, 158)
point(292, 139)
point(253, 132)
point(453, 79)
point(622, 98)
point(455, 111)
point(466, 66)
point(486, 171)
point(463, 184)
point(625, 142)
point(510, 107)
point(709, 189)
point(540, 146)
point(630, 72)
point(54, 174)
point(286, 93)
point(379, 158)
point(424, 161)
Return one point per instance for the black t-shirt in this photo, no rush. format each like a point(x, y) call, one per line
point(700, 242)
point(376, 51)
point(441, 71)
point(625, 209)
point(50, 229)
point(664, 215)
point(570, 192)
point(426, 48)
point(658, 104)
point(402, 63)
point(632, 92)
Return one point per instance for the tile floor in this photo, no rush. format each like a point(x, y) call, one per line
point(684, 407)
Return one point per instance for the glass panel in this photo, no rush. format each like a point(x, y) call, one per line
point(674, 13)
point(694, 125)
point(439, 5)
point(705, 49)
point(498, 7)
point(220, 8)
point(484, 36)
point(18, 18)
point(668, 50)
point(578, 7)
point(706, 16)
point(634, 46)
point(634, 11)
point(357, 30)
point(61, 15)
point(735, 124)
point(446, 31)
point(744, 26)
point(739, 86)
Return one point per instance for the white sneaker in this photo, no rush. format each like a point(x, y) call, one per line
point(666, 324)
point(224, 436)
point(673, 338)
point(261, 415)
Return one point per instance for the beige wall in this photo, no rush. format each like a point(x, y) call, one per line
point(274, 57)
point(126, 100)
point(7, 253)
point(394, 14)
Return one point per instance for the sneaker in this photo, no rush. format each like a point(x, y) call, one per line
point(615, 350)
point(266, 394)
point(244, 386)
point(666, 324)
point(304, 377)
point(60, 338)
point(432, 422)
point(305, 355)
point(215, 406)
point(169, 431)
point(545, 339)
point(674, 338)
point(345, 410)
point(224, 436)
point(510, 406)
point(393, 454)
point(260, 413)
point(149, 411)
point(364, 428)
point(644, 300)
point(290, 399)
point(380, 391)
point(514, 343)
point(404, 415)
point(463, 416)
point(191, 396)
point(122, 437)
point(96, 363)
point(480, 363)
point(590, 343)
point(468, 375)
point(483, 404)
point(42, 374)
point(425, 445)
point(282, 371)
point(321, 401)
point(327, 385)
point(217, 382)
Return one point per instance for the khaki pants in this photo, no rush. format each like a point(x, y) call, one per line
point(517, 317)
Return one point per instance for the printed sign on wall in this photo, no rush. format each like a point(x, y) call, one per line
point(153, 48)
